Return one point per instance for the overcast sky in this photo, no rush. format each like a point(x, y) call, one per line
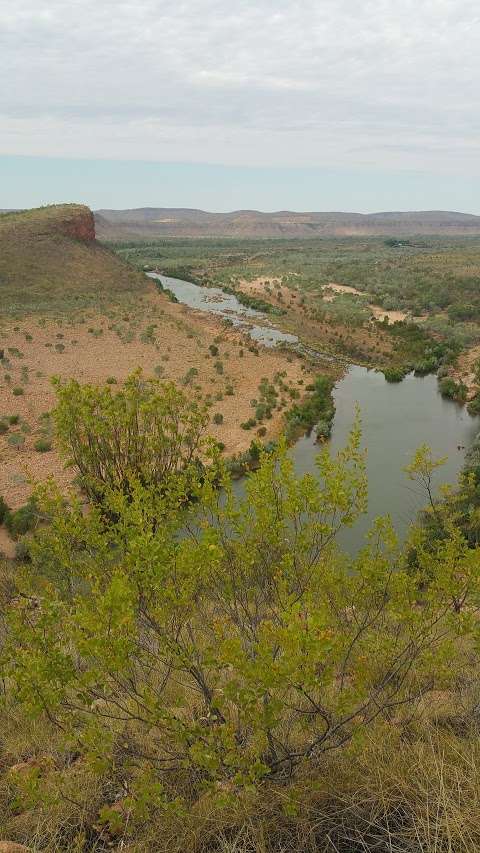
point(339, 87)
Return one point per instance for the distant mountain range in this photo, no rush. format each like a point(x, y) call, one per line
point(155, 222)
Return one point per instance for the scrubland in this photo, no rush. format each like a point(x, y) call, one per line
point(187, 669)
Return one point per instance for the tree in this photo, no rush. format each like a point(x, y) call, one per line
point(229, 642)
point(147, 430)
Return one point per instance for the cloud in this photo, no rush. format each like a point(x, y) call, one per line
point(281, 82)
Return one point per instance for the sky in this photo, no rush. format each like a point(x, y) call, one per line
point(298, 104)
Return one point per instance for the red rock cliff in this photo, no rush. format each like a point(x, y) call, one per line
point(78, 222)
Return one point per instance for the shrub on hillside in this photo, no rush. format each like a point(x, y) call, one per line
point(43, 445)
point(22, 520)
point(4, 509)
point(144, 432)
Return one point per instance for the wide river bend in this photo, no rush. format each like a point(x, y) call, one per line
point(396, 418)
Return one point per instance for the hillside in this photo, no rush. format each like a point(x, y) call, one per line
point(152, 223)
point(50, 262)
point(70, 308)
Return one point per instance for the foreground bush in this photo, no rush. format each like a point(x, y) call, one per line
point(146, 430)
point(212, 674)
point(229, 645)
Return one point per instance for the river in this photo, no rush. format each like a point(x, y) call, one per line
point(396, 419)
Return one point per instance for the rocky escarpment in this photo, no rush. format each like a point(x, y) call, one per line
point(68, 220)
point(51, 261)
point(77, 221)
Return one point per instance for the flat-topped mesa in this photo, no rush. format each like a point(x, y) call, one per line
point(51, 261)
point(70, 220)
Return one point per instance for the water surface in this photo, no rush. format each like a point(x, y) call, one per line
point(226, 305)
point(396, 418)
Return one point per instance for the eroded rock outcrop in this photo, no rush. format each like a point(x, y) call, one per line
point(77, 221)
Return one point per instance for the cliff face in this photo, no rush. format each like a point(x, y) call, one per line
point(78, 223)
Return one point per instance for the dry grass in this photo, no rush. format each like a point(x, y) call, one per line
point(389, 795)
point(465, 369)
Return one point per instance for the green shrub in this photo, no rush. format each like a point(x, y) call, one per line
point(191, 373)
point(144, 430)
point(213, 350)
point(22, 520)
point(22, 551)
point(4, 509)
point(3, 427)
point(323, 430)
point(249, 424)
point(453, 390)
point(18, 391)
point(218, 418)
point(16, 439)
point(317, 407)
point(43, 445)
point(239, 655)
point(395, 374)
point(474, 405)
